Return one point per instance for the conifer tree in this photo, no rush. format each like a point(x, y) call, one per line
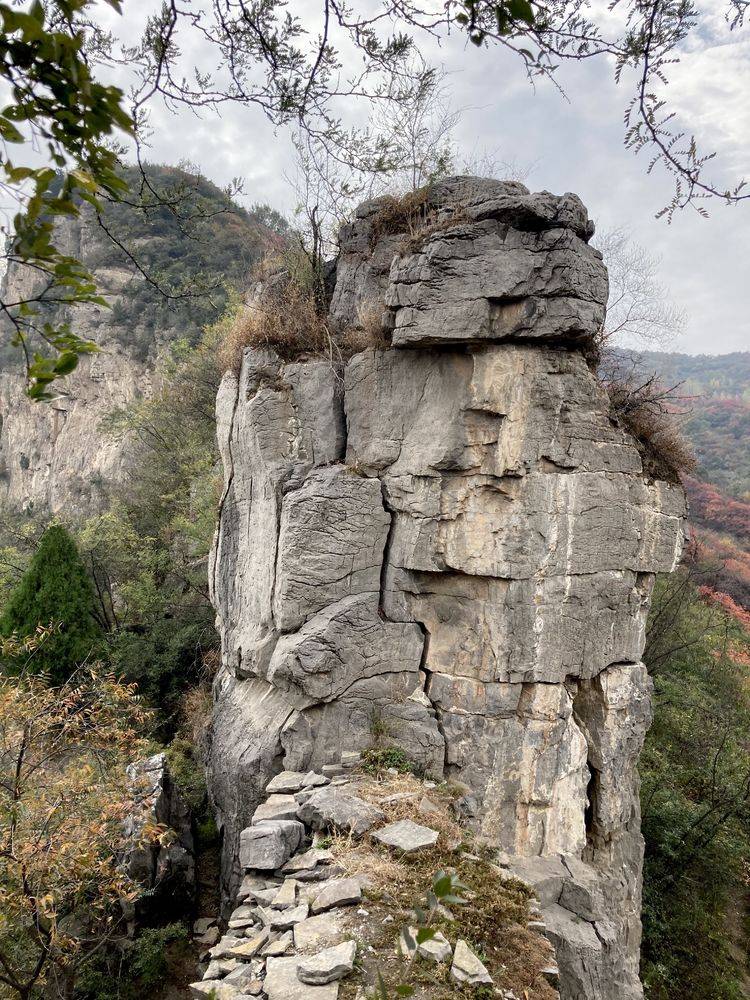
point(55, 588)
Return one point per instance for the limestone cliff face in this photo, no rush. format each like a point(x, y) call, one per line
point(449, 546)
point(56, 458)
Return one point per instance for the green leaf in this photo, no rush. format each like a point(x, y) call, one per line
point(9, 132)
point(521, 10)
point(425, 934)
point(66, 363)
point(441, 885)
point(454, 900)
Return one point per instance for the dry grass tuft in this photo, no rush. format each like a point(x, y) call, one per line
point(368, 333)
point(646, 409)
point(493, 921)
point(286, 319)
point(414, 217)
point(401, 215)
point(415, 240)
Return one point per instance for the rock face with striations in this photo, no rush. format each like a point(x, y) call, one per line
point(450, 546)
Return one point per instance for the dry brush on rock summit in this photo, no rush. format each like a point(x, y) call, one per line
point(449, 547)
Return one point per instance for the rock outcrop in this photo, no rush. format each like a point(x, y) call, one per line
point(163, 864)
point(449, 546)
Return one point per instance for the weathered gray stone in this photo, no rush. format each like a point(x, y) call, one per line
point(269, 843)
point(328, 965)
point(165, 870)
point(242, 977)
point(249, 886)
point(467, 968)
point(218, 968)
point(286, 896)
point(481, 281)
point(307, 861)
point(348, 641)
point(246, 950)
point(335, 810)
point(283, 920)
point(287, 782)
point(406, 836)
point(435, 949)
point(203, 924)
point(331, 542)
point(340, 892)
point(217, 989)
point(280, 946)
point(209, 937)
point(243, 913)
point(321, 873)
point(313, 780)
point(321, 931)
point(276, 807)
point(224, 948)
point(282, 983)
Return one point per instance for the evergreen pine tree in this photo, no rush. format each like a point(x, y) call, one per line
point(55, 588)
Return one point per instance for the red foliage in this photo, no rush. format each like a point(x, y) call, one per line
point(725, 602)
point(711, 507)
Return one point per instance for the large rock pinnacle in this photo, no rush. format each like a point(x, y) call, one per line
point(450, 547)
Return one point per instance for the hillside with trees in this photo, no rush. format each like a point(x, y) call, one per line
point(712, 396)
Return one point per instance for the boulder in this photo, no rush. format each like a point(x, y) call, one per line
point(467, 968)
point(330, 809)
point(406, 836)
point(328, 965)
point(267, 845)
point(287, 782)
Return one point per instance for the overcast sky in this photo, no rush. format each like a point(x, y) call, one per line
point(572, 145)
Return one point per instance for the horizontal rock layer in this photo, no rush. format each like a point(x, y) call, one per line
point(449, 547)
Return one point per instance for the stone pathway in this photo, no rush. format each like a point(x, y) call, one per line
point(286, 938)
point(289, 936)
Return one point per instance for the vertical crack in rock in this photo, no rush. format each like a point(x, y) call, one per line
point(478, 572)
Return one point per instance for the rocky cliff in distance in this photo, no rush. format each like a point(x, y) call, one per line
point(58, 458)
point(450, 546)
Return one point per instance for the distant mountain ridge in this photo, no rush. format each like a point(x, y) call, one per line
point(716, 401)
point(716, 391)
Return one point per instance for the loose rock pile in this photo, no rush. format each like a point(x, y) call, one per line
point(289, 936)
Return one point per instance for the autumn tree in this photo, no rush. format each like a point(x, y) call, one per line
point(64, 796)
point(55, 588)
